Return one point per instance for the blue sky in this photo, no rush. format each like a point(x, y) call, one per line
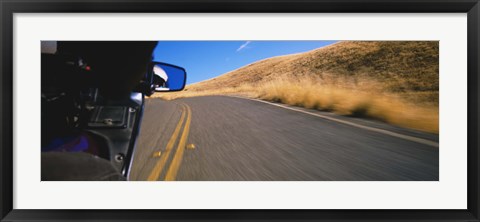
point(207, 59)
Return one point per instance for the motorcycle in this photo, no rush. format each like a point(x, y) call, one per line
point(92, 106)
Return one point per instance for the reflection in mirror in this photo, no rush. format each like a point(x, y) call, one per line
point(160, 78)
point(168, 77)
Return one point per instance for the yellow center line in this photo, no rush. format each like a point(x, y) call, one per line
point(157, 170)
point(177, 159)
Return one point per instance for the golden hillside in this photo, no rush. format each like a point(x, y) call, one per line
point(400, 67)
point(394, 81)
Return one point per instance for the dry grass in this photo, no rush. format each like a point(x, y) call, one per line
point(395, 82)
point(357, 102)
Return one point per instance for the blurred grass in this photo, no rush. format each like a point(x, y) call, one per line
point(357, 102)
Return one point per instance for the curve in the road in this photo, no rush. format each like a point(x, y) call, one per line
point(239, 139)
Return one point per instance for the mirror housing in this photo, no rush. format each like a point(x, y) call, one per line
point(166, 77)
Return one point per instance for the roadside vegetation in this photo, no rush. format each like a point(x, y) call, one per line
point(394, 82)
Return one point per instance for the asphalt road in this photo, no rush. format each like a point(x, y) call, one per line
point(220, 138)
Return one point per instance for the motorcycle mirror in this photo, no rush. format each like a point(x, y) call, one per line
point(167, 77)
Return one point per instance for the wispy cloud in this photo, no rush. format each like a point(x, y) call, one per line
point(243, 46)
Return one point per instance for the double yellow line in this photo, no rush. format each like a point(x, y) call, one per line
point(172, 170)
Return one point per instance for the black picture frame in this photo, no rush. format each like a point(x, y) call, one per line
point(9, 7)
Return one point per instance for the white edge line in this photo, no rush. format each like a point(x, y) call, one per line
point(386, 132)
